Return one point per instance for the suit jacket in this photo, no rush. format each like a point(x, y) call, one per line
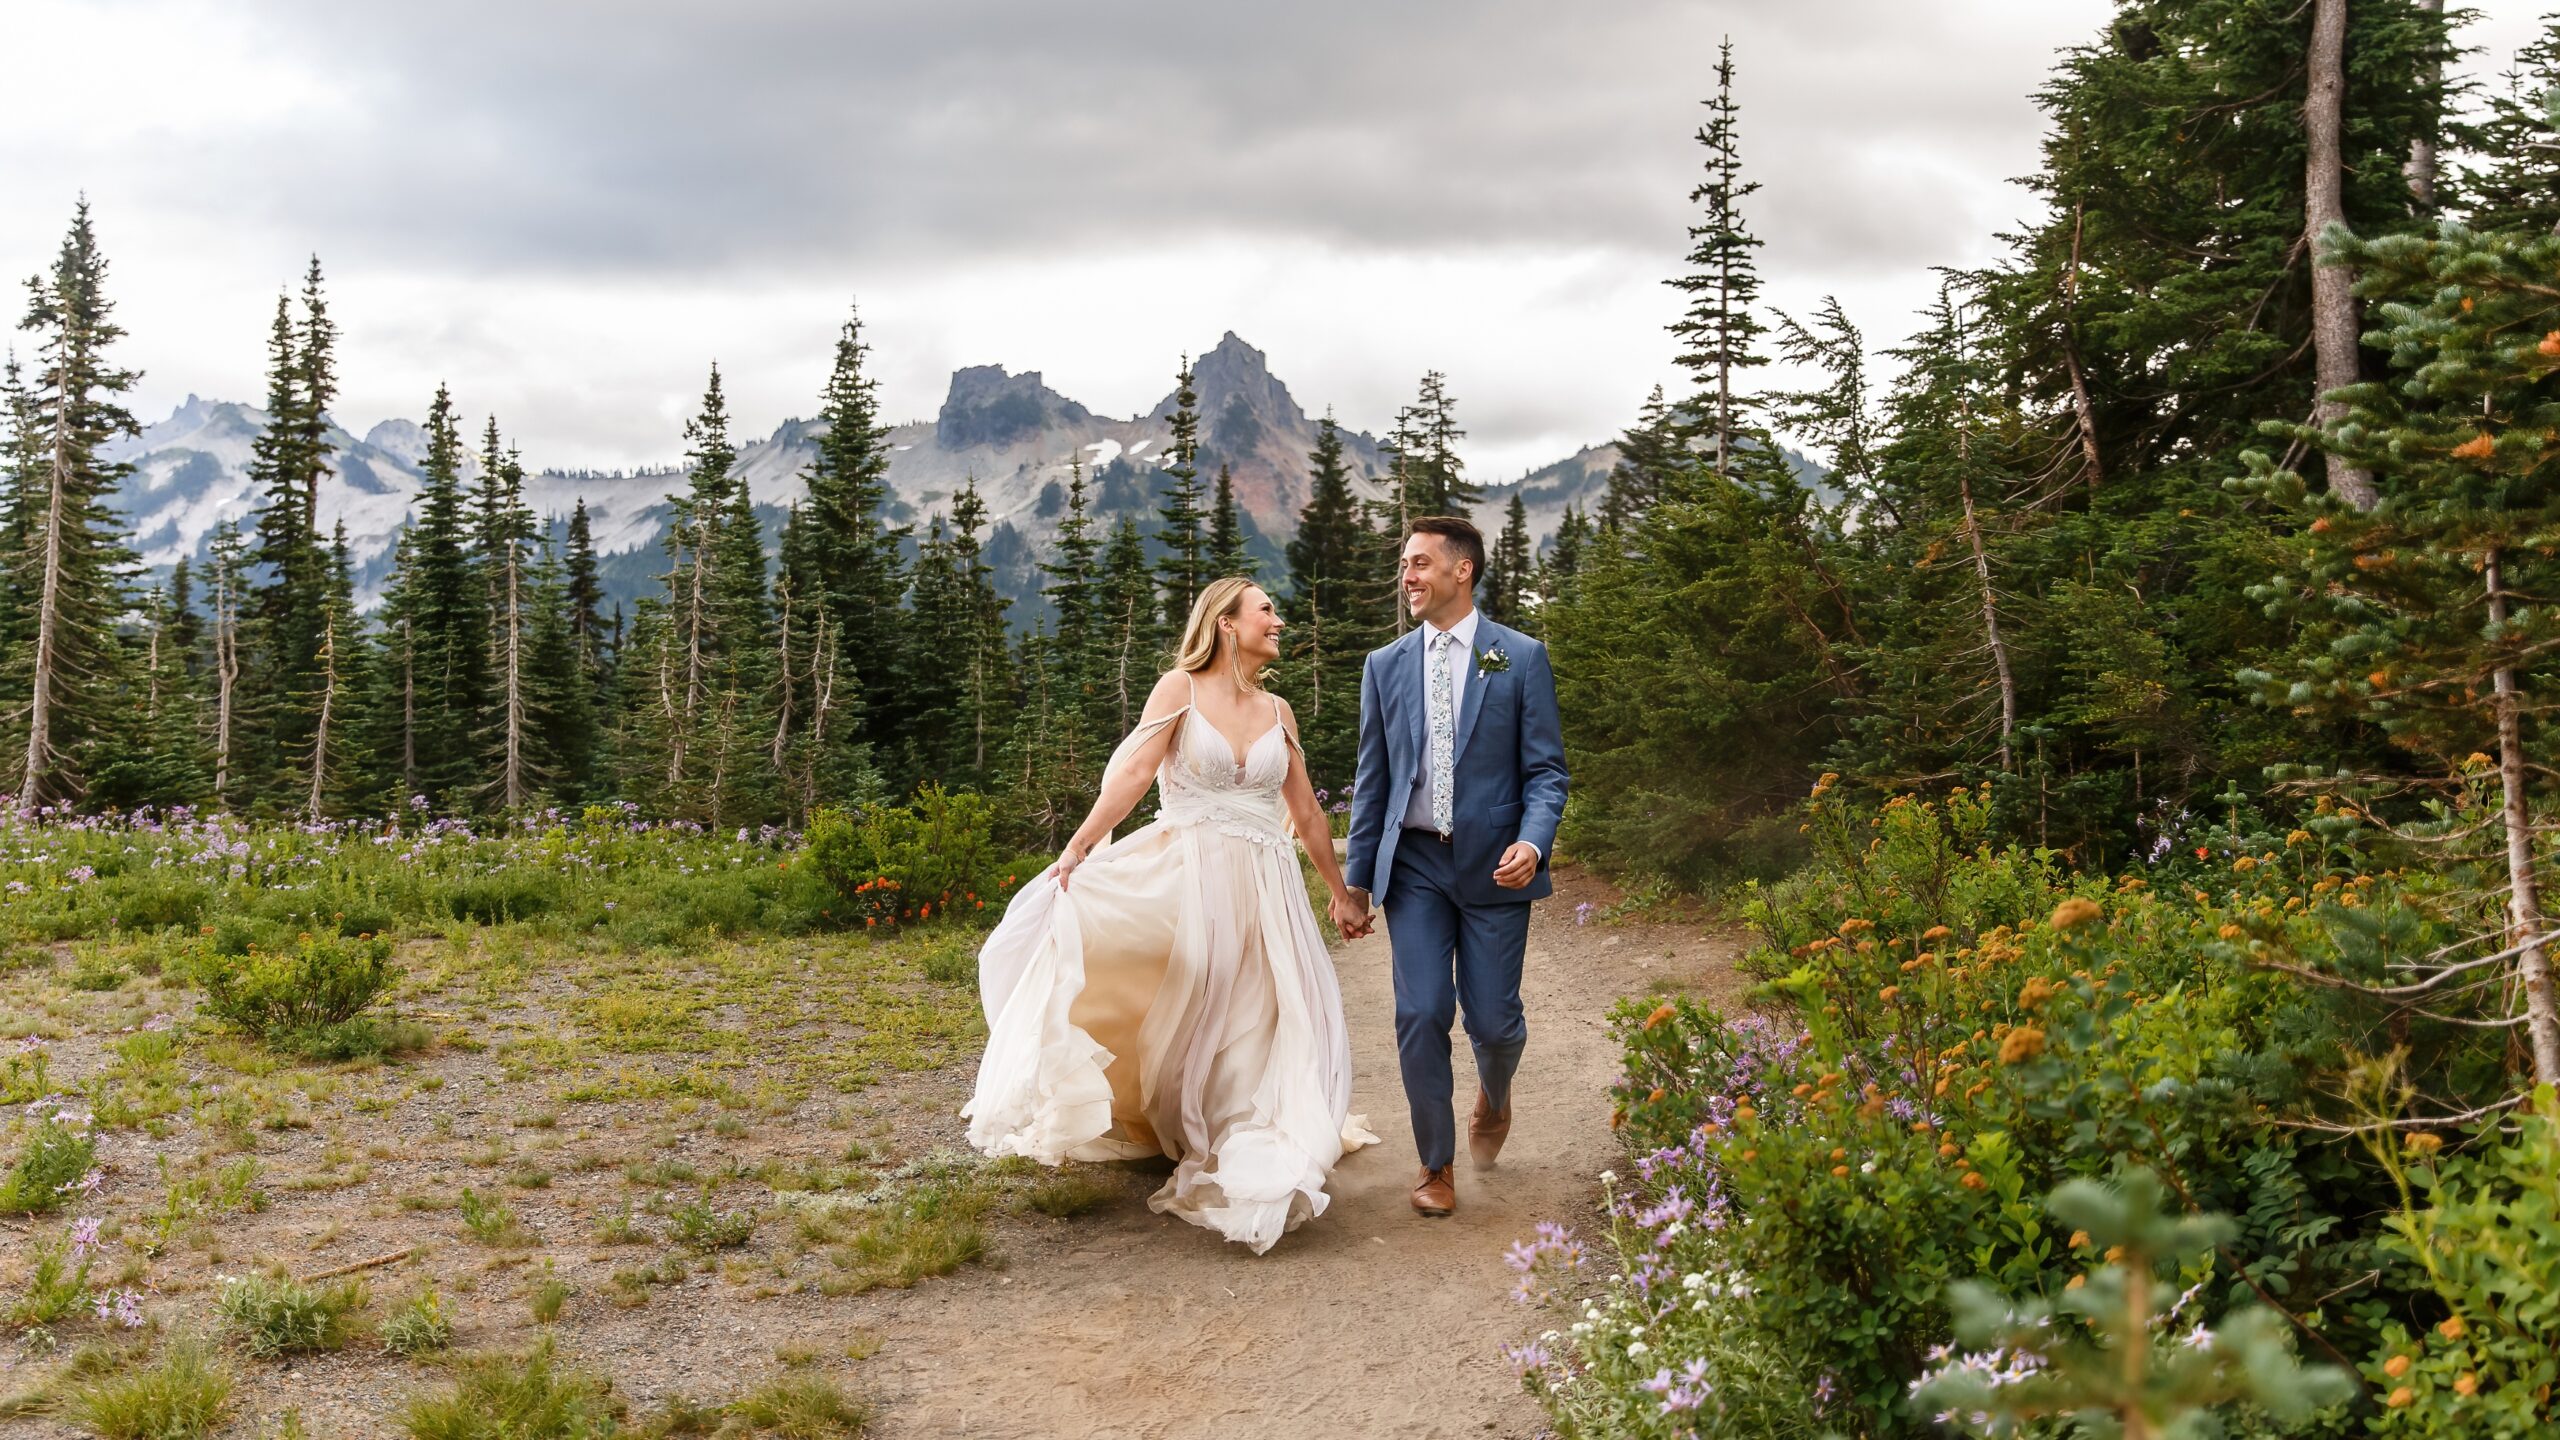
point(1509, 771)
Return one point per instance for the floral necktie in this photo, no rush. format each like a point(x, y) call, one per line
point(1444, 735)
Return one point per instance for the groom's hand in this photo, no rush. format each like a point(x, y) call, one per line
point(1351, 917)
point(1519, 866)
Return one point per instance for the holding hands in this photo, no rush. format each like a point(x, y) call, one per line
point(1351, 915)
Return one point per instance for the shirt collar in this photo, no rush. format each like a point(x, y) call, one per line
point(1465, 629)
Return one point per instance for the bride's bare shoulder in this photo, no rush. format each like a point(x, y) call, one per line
point(1172, 692)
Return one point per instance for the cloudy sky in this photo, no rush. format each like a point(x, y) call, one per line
point(568, 208)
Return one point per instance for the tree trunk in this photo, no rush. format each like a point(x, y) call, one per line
point(822, 693)
point(2421, 169)
point(2086, 413)
point(782, 715)
point(513, 789)
point(2524, 895)
point(328, 709)
point(1982, 576)
point(37, 776)
point(226, 672)
point(2333, 301)
point(667, 712)
point(408, 708)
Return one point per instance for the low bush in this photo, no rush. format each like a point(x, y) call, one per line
point(420, 1326)
point(701, 1226)
point(316, 982)
point(57, 1277)
point(803, 1407)
point(274, 1315)
point(59, 1152)
point(936, 857)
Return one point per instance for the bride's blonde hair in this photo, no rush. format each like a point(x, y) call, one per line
point(1219, 600)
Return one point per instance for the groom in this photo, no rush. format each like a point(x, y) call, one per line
point(1453, 815)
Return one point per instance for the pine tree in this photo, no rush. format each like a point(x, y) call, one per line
point(854, 551)
point(71, 663)
point(1226, 531)
point(1334, 618)
point(2511, 179)
point(1654, 460)
point(560, 681)
point(1433, 473)
point(1509, 569)
point(1072, 583)
point(693, 552)
point(505, 554)
point(2420, 613)
point(1184, 569)
point(1718, 332)
point(452, 637)
point(583, 595)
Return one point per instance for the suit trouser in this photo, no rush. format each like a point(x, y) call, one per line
point(1448, 957)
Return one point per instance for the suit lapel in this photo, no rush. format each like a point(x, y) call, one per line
point(1473, 686)
point(1416, 703)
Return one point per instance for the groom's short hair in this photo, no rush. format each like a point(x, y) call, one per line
point(1464, 540)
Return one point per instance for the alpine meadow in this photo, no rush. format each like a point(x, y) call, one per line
point(2050, 940)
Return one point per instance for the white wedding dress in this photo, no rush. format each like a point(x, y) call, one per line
point(1176, 999)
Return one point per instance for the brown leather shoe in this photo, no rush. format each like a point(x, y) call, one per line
point(1486, 1131)
point(1437, 1193)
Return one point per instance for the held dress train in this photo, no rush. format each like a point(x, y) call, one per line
point(1176, 999)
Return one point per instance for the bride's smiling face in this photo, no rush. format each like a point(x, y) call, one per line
point(1255, 627)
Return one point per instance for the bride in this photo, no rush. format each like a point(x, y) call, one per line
point(1169, 993)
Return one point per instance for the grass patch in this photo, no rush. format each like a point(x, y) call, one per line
point(933, 1230)
point(181, 1395)
point(803, 1407)
point(514, 1397)
point(1070, 1193)
point(699, 1225)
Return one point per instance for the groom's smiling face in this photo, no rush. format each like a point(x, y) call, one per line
point(1437, 583)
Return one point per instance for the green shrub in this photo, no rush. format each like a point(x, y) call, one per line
point(421, 1326)
point(2486, 1243)
point(1950, 1030)
point(933, 858)
point(492, 1221)
point(699, 1225)
point(504, 897)
point(365, 1037)
point(317, 982)
point(271, 1315)
point(508, 1397)
point(182, 1395)
point(96, 973)
point(158, 900)
point(57, 1154)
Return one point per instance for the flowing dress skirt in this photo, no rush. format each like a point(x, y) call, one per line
point(1175, 999)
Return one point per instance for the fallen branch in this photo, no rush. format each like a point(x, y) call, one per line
point(350, 1268)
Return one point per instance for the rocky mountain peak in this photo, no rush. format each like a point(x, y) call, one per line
point(987, 406)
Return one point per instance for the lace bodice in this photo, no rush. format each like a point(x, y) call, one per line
point(1200, 782)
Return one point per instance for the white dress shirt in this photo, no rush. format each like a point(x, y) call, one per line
point(1461, 656)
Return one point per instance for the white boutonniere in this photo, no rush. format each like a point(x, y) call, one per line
point(1491, 661)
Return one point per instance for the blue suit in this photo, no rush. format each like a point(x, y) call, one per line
point(1456, 936)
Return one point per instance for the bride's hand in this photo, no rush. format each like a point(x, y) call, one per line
point(1068, 859)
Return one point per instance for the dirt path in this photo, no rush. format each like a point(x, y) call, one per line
point(1365, 1322)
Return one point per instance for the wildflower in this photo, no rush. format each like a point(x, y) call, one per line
point(2452, 1328)
point(2478, 447)
point(2466, 1383)
point(2425, 1143)
point(2074, 912)
point(2036, 992)
point(2401, 1397)
point(1661, 1012)
point(2396, 1366)
point(2021, 1045)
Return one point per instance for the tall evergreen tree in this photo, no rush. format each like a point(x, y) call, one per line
point(70, 665)
point(854, 551)
point(1509, 570)
point(1181, 519)
point(1227, 555)
point(288, 610)
point(1433, 473)
point(1335, 617)
point(452, 637)
point(1719, 331)
point(2511, 177)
